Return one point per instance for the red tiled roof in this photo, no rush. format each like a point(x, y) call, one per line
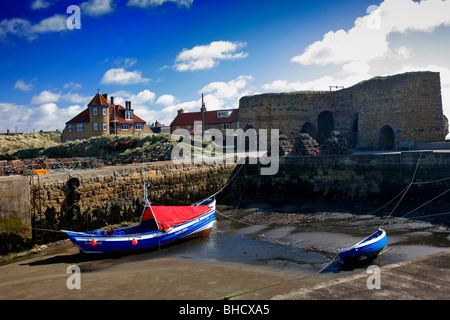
point(80, 118)
point(210, 117)
point(98, 100)
point(120, 115)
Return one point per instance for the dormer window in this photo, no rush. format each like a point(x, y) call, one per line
point(223, 114)
point(129, 115)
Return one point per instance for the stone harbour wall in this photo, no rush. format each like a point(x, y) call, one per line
point(94, 198)
point(363, 177)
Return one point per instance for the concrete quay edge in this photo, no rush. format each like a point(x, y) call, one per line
point(423, 278)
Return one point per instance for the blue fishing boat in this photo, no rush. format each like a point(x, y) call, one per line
point(365, 250)
point(159, 225)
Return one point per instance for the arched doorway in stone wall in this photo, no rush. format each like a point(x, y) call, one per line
point(309, 128)
point(386, 139)
point(325, 125)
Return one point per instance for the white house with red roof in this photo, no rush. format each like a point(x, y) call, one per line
point(103, 118)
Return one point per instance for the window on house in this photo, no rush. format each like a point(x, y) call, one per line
point(95, 126)
point(94, 111)
point(69, 128)
point(128, 115)
point(224, 126)
point(125, 127)
point(223, 114)
point(80, 127)
point(66, 140)
point(139, 126)
point(104, 111)
point(105, 126)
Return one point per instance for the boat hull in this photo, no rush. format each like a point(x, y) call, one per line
point(366, 250)
point(92, 243)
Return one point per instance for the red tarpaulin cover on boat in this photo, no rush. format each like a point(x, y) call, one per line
point(169, 216)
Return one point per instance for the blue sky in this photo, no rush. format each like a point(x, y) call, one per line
point(162, 54)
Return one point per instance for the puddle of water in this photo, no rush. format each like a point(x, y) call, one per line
point(307, 242)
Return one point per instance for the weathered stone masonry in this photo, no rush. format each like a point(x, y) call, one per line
point(383, 111)
point(114, 194)
point(347, 177)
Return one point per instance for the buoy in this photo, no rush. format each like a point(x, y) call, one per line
point(93, 243)
point(134, 242)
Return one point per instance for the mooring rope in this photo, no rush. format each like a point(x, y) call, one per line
point(426, 203)
point(407, 189)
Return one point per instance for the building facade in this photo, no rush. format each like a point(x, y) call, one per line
point(218, 119)
point(103, 118)
point(382, 112)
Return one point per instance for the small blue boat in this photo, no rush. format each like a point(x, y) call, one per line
point(159, 225)
point(365, 250)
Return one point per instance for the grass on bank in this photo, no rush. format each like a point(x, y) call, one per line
point(13, 143)
point(34, 145)
point(103, 146)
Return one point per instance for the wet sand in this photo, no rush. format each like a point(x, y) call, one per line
point(256, 252)
point(43, 276)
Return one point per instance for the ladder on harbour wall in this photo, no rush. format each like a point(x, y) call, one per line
point(36, 209)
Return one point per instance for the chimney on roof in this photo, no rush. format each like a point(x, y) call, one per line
point(105, 95)
point(128, 105)
point(156, 123)
point(112, 100)
point(180, 111)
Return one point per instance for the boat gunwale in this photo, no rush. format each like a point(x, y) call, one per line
point(80, 236)
point(365, 242)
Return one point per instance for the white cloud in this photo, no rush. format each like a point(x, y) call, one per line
point(286, 86)
point(41, 4)
point(227, 90)
point(125, 62)
point(121, 76)
point(166, 100)
point(46, 96)
point(374, 47)
point(144, 98)
point(23, 28)
point(367, 41)
point(356, 67)
point(72, 86)
point(404, 52)
point(13, 115)
point(76, 98)
point(55, 23)
point(96, 7)
point(16, 27)
point(207, 56)
point(220, 95)
point(155, 3)
point(21, 85)
point(47, 116)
